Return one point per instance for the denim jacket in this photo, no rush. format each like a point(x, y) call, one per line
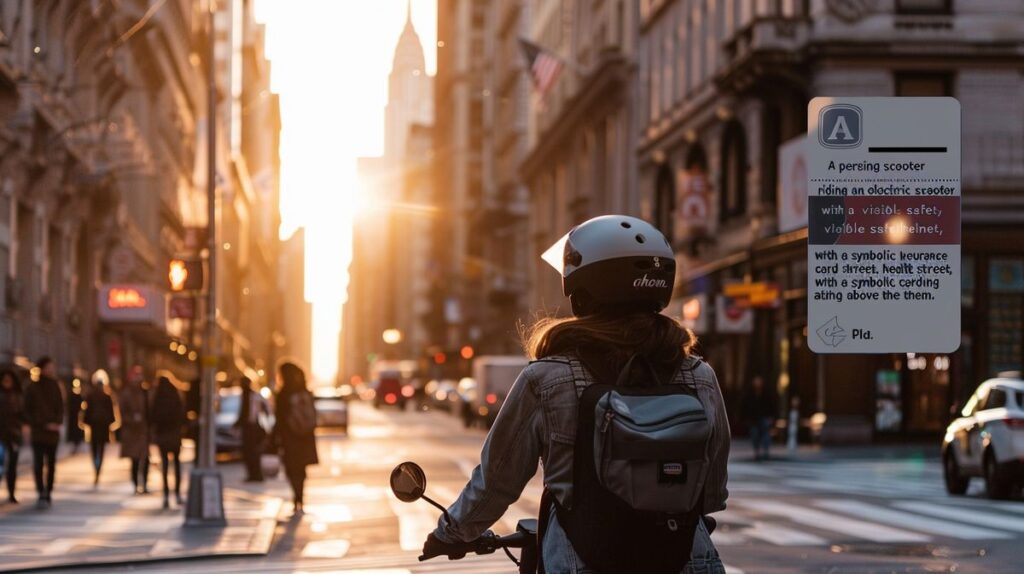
point(538, 422)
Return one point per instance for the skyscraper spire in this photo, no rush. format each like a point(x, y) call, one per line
point(408, 12)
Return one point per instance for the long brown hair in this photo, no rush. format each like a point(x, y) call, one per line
point(620, 334)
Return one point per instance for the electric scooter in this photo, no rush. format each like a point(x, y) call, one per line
point(409, 483)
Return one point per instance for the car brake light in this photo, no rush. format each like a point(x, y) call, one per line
point(390, 398)
point(1014, 423)
point(407, 391)
point(491, 398)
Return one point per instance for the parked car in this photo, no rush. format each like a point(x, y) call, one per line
point(229, 406)
point(494, 375)
point(331, 410)
point(391, 390)
point(987, 440)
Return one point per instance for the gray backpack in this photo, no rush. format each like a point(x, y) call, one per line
point(640, 463)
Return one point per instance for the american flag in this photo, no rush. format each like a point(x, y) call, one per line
point(544, 66)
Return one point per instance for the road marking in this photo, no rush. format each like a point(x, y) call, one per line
point(783, 536)
point(415, 522)
point(912, 521)
point(732, 570)
point(326, 549)
point(983, 518)
point(826, 521)
point(876, 489)
point(58, 546)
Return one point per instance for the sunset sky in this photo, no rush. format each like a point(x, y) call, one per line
point(330, 62)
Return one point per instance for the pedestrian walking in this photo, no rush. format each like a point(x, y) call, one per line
point(44, 409)
point(99, 415)
point(759, 409)
point(134, 432)
point(12, 423)
point(168, 422)
point(254, 437)
point(621, 375)
point(74, 434)
point(295, 429)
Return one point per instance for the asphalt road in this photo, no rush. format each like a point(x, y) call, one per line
point(860, 514)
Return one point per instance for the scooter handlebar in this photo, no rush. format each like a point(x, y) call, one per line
point(486, 544)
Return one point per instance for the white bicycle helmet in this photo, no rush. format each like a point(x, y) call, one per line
point(614, 261)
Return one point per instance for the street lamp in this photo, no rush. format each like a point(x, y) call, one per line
point(392, 336)
point(205, 486)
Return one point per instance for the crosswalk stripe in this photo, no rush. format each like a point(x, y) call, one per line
point(886, 489)
point(912, 521)
point(826, 521)
point(983, 518)
point(783, 536)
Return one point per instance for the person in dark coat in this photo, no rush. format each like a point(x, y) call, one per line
point(253, 435)
point(133, 401)
point(74, 434)
point(759, 410)
point(294, 431)
point(168, 421)
point(12, 423)
point(44, 409)
point(99, 415)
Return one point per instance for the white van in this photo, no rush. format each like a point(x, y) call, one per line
point(494, 375)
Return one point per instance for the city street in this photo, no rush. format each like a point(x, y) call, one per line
point(860, 510)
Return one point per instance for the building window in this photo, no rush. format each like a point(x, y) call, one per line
point(924, 6)
point(665, 202)
point(733, 197)
point(913, 84)
point(771, 139)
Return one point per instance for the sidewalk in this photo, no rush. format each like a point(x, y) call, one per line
point(742, 451)
point(110, 525)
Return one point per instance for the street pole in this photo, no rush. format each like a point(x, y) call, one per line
point(205, 488)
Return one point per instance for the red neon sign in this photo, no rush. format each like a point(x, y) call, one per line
point(125, 298)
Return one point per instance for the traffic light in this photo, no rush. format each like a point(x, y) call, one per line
point(466, 352)
point(185, 275)
point(439, 358)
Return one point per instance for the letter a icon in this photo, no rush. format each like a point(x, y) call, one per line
point(840, 126)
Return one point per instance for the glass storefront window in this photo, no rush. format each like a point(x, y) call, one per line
point(967, 281)
point(1005, 314)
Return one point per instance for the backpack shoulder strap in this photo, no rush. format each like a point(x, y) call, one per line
point(580, 379)
point(685, 374)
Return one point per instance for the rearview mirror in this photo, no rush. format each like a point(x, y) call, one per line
point(408, 482)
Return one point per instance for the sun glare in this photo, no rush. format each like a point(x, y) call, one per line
point(329, 62)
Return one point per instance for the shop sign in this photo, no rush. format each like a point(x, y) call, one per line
point(695, 313)
point(759, 295)
point(791, 206)
point(131, 303)
point(883, 255)
point(695, 199)
point(182, 307)
point(733, 318)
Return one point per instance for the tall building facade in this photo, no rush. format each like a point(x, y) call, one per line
point(724, 89)
point(581, 158)
point(459, 95)
point(504, 197)
point(102, 177)
point(96, 174)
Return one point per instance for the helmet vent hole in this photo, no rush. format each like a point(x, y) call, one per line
point(625, 224)
point(640, 238)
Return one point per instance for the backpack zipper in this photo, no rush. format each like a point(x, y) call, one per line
point(608, 416)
